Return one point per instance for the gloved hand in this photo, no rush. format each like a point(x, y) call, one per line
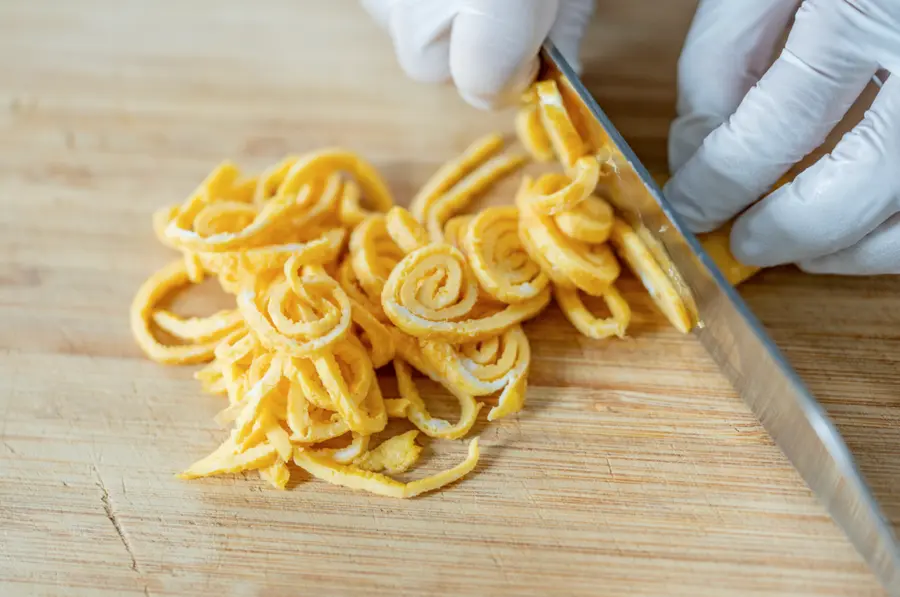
point(741, 127)
point(487, 47)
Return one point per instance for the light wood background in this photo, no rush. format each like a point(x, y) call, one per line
point(634, 469)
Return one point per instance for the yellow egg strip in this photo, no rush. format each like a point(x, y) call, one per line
point(418, 413)
point(194, 267)
point(304, 428)
point(357, 448)
point(452, 172)
point(405, 231)
point(351, 211)
point(430, 483)
point(505, 367)
point(198, 329)
point(396, 407)
point(155, 288)
point(327, 161)
point(250, 395)
point(555, 193)
point(498, 259)
point(267, 221)
point(590, 221)
point(467, 189)
point(568, 262)
point(161, 219)
point(223, 217)
point(277, 475)
point(324, 196)
point(409, 349)
point(238, 270)
point(211, 379)
point(349, 476)
point(319, 295)
point(586, 322)
point(226, 459)
point(278, 437)
point(634, 252)
point(304, 374)
point(373, 254)
point(567, 143)
point(254, 400)
point(374, 335)
point(268, 182)
point(366, 418)
point(346, 277)
point(531, 133)
point(431, 292)
point(354, 477)
point(455, 230)
point(394, 455)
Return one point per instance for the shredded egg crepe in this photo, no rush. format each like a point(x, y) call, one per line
point(333, 282)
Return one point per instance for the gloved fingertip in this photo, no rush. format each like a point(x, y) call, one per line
point(686, 208)
point(508, 95)
point(686, 135)
point(494, 47)
point(424, 65)
point(819, 265)
point(422, 42)
point(753, 246)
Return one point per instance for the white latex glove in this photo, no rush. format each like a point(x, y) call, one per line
point(841, 214)
point(487, 47)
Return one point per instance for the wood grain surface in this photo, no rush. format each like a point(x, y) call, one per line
point(634, 469)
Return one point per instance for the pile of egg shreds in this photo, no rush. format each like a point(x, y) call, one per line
point(332, 282)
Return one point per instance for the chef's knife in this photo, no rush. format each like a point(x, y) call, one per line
point(736, 340)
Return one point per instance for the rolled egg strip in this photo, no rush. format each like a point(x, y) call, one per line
point(367, 416)
point(556, 193)
point(346, 277)
point(590, 221)
point(586, 322)
point(304, 428)
point(374, 335)
point(485, 367)
point(452, 172)
point(455, 230)
point(198, 329)
point(567, 261)
point(406, 232)
point(462, 193)
point(497, 258)
point(354, 477)
point(171, 277)
point(531, 133)
point(418, 413)
point(564, 137)
point(321, 301)
point(431, 293)
point(373, 254)
point(327, 161)
point(238, 270)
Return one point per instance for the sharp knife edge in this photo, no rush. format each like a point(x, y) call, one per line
point(748, 357)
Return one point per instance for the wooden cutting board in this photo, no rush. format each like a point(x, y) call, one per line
point(634, 469)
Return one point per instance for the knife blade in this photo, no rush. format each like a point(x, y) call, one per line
point(736, 340)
